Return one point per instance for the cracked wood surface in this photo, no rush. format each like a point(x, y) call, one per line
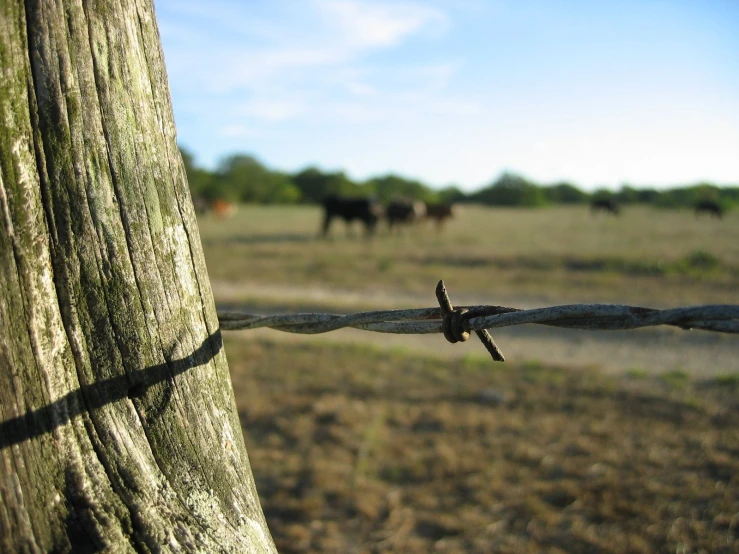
point(118, 428)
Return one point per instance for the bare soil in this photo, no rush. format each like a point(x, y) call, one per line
point(356, 449)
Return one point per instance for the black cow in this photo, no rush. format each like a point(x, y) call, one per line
point(201, 205)
point(366, 210)
point(607, 205)
point(710, 207)
point(402, 212)
point(439, 213)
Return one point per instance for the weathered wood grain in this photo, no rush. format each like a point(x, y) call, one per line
point(117, 417)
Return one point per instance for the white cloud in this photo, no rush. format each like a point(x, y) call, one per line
point(372, 25)
point(269, 64)
point(260, 69)
point(272, 109)
point(238, 130)
point(360, 89)
point(456, 107)
point(228, 47)
point(354, 113)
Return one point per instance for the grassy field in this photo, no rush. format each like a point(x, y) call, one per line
point(659, 257)
point(386, 448)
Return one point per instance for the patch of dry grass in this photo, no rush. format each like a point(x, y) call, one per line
point(362, 450)
point(557, 254)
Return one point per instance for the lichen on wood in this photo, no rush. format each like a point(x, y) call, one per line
point(118, 427)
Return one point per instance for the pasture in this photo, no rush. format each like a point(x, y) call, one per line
point(361, 449)
point(384, 444)
point(655, 257)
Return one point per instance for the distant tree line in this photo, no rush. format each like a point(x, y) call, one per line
point(243, 178)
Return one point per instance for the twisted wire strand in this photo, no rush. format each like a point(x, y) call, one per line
point(594, 317)
point(456, 323)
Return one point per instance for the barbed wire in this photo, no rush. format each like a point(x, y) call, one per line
point(456, 324)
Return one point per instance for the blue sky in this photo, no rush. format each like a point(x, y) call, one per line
point(457, 91)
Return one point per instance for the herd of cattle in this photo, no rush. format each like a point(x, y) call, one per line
point(610, 206)
point(370, 212)
point(398, 213)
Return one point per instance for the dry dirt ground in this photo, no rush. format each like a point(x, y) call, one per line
point(360, 449)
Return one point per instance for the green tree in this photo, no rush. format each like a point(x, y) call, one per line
point(199, 179)
point(511, 190)
point(603, 194)
point(686, 197)
point(631, 195)
point(729, 196)
point(451, 194)
point(315, 185)
point(243, 178)
point(389, 187)
point(565, 193)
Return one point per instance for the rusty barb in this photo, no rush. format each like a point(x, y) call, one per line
point(453, 324)
point(456, 323)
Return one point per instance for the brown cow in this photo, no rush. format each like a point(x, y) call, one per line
point(223, 209)
point(440, 212)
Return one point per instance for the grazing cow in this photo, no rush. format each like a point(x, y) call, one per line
point(402, 212)
point(710, 207)
point(366, 210)
point(223, 209)
point(201, 205)
point(607, 205)
point(439, 213)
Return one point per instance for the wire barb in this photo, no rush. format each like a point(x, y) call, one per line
point(456, 324)
point(452, 324)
